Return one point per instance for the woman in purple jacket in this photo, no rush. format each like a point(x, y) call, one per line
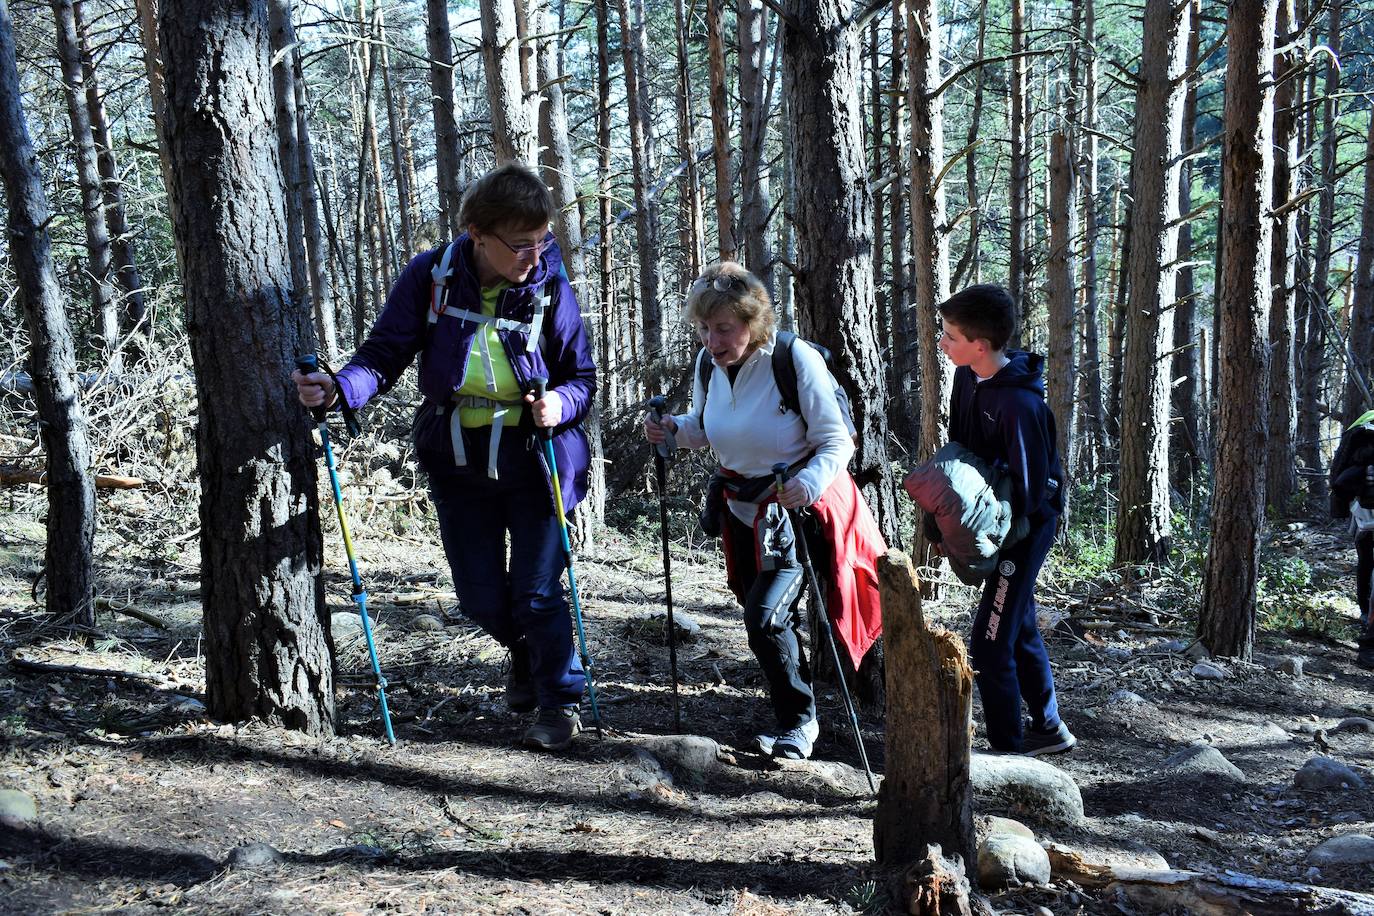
point(486, 314)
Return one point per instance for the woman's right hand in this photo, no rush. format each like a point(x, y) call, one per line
point(654, 429)
point(316, 389)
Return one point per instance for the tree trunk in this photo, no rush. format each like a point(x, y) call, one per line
point(134, 307)
point(512, 133)
point(1116, 330)
point(1312, 361)
point(1226, 623)
point(1094, 431)
point(152, 66)
point(1186, 432)
point(720, 133)
point(88, 180)
point(1061, 366)
point(605, 273)
point(1019, 191)
point(266, 627)
point(970, 265)
point(288, 145)
point(68, 572)
point(1280, 472)
point(1142, 529)
point(445, 125)
point(369, 28)
point(753, 186)
point(1357, 397)
point(317, 255)
point(691, 216)
point(646, 208)
point(398, 163)
point(822, 75)
point(926, 795)
point(929, 241)
point(907, 327)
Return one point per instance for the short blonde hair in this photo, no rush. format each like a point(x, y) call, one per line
point(730, 287)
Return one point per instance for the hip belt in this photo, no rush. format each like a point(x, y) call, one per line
point(501, 412)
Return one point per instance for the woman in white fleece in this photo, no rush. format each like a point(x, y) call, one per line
point(740, 414)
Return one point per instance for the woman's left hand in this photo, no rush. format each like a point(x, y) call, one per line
point(548, 410)
point(793, 495)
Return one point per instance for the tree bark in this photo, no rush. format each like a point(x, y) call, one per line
point(1357, 398)
point(288, 145)
point(926, 795)
point(398, 163)
point(1281, 477)
point(88, 181)
point(512, 133)
point(1226, 624)
point(1094, 429)
point(907, 327)
point(445, 126)
point(646, 207)
point(1019, 190)
point(726, 243)
point(971, 263)
point(68, 569)
point(822, 75)
point(266, 627)
point(1143, 524)
point(691, 217)
point(929, 241)
point(317, 255)
point(1061, 366)
point(1187, 432)
point(157, 96)
point(133, 310)
point(753, 186)
point(605, 273)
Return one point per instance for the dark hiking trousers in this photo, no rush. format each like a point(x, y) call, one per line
point(773, 623)
point(1364, 573)
point(525, 600)
point(1008, 653)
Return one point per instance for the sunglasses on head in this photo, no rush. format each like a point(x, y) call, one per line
point(723, 283)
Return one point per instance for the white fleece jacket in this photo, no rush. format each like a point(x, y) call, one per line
point(750, 431)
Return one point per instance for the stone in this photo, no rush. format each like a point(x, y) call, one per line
point(642, 771)
point(348, 624)
point(1126, 698)
point(1203, 759)
point(1355, 723)
point(991, 825)
point(1026, 787)
point(427, 622)
point(1070, 862)
point(840, 778)
point(1323, 773)
point(1351, 849)
point(17, 807)
point(1197, 651)
point(694, 757)
point(1006, 860)
point(252, 855)
point(1206, 671)
point(1292, 666)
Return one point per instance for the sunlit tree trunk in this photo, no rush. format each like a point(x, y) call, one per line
point(1094, 432)
point(398, 165)
point(646, 207)
point(691, 217)
point(907, 327)
point(1019, 189)
point(1143, 522)
point(1281, 479)
point(726, 244)
point(446, 158)
point(1188, 430)
point(1226, 624)
point(753, 185)
point(512, 132)
point(68, 568)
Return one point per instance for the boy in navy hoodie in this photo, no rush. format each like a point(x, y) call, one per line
point(998, 412)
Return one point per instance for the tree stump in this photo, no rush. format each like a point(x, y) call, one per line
point(926, 796)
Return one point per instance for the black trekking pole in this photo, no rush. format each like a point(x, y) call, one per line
point(662, 455)
point(307, 364)
point(823, 621)
point(546, 433)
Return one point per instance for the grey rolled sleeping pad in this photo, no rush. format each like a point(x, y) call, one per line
point(971, 503)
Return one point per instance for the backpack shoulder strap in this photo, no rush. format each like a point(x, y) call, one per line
point(703, 371)
point(785, 371)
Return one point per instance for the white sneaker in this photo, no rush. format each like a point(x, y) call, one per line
point(797, 743)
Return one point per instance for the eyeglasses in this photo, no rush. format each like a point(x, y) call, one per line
point(723, 283)
point(535, 249)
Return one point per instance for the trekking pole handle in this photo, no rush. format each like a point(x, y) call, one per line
point(658, 404)
point(541, 388)
point(779, 475)
point(307, 363)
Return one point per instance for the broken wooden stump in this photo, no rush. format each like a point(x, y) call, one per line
point(926, 796)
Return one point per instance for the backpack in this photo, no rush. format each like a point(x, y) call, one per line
point(785, 377)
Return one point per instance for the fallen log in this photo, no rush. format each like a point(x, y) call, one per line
point(1208, 893)
point(19, 663)
point(11, 476)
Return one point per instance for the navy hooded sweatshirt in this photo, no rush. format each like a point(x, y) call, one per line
point(1005, 421)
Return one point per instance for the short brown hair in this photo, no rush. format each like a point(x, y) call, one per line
point(744, 296)
point(984, 311)
point(510, 196)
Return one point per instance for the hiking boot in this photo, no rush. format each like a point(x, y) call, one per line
point(796, 743)
point(553, 728)
point(1365, 659)
point(764, 744)
point(1056, 740)
point(520, 695)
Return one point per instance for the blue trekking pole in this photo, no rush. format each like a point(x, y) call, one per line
point(823, 621)
point(546, 433)
point(307, 364)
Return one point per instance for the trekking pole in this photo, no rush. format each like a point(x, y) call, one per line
point(546, 433)
point(307, 364)
point(662, 454)
point(823, 620)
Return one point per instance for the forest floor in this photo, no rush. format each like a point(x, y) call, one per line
point(141, 798)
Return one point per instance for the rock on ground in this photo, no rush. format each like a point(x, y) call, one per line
point(1005, 860)
point(252, 855)
point(1323, 773)
point(1203, 759)
point(1026, 787)
point(17, 807)
point(1351, 849)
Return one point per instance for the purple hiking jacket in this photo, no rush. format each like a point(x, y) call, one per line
point(564, 355)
